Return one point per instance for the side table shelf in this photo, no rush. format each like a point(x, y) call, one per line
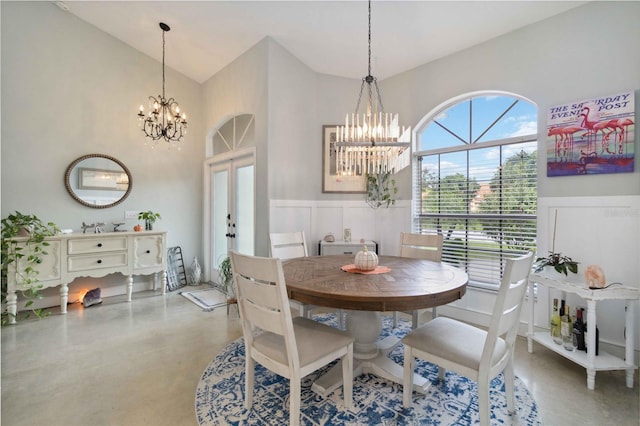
point(604, 361)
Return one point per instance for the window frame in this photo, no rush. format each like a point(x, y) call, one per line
point(417, 212)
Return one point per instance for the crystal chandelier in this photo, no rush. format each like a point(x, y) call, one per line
point(371, 142)
point(164, 120)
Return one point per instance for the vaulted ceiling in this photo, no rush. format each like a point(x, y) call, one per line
point(328, 36)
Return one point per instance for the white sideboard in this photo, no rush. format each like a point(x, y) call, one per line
point(589, 360)
point(70, 256)
point(342, 247)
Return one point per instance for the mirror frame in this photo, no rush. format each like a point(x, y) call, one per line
point(67, 185)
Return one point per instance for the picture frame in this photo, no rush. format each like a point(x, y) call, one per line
point(109, 180)
point(331, 181)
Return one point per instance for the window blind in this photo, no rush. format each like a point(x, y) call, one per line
point(483, 199)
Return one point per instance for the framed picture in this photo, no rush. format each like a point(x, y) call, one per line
point(331, 181)
point(112, 180)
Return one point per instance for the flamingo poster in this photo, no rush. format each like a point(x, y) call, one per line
point(593, 136)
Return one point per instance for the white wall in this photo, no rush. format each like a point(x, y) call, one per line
point(242, 88)
point(69, 89)
point(557, 60)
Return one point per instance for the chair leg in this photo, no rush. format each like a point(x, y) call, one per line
point(509, 386)
point(347, 377)
point(483, 402)
point(395, 319)
point(407, 379)
point(341, 320)
point(414, 319)
point(442, 372)
point(294, 400)
point(249, 371)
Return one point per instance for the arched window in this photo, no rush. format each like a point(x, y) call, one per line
point(475, 181)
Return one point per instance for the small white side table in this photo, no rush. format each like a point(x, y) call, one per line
point(342, 247)
point(589, 360)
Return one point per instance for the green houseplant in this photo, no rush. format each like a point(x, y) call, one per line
point(380, 189)
point(149, 218)
point(225, 278)
point(561, 264)
point(30, 251)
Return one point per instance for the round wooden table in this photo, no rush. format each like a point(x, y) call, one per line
point(409, 285)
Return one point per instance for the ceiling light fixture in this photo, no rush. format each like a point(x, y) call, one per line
point(373, 142)
point(164, 120)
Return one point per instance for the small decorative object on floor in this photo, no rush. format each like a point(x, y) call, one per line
point(594, 277)
point(92, 297)
point(366, 260)
point(196, 272)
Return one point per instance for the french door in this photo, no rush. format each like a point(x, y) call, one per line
point(231, 208)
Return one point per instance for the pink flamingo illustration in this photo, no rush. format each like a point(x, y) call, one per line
point(568, 132)
point(593, 127)
point(556, 131)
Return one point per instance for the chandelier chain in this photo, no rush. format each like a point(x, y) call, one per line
point(369, 74)
point(163, 44)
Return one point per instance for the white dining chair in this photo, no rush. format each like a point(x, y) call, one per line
point(289, 245)
point(419, 246)
point(471, 351)
point(290, 347)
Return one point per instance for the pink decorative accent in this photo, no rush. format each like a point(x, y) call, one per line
point(351, 268)
point(594, 277)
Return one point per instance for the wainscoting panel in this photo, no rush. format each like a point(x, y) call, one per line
point(382, 225)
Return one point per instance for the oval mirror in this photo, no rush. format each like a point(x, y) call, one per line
point(98, 181)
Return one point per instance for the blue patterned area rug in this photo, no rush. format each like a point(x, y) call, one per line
point(220, 395)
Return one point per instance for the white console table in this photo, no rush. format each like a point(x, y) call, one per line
point(342, 247)
point(70, 256)
point(589, 360)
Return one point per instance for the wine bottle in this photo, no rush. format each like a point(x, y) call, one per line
point(586, 339)
point(578, 331)
point(554, 326)
point(566, 329)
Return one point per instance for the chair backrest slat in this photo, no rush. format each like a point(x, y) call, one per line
point(506, 312)
point(421, 246)
point(288, 245)
point(261, 293)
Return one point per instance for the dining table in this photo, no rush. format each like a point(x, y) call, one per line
point(397, 284)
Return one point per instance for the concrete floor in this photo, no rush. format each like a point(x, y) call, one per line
point(139, 363)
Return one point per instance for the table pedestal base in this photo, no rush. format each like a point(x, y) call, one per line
point(370, 357)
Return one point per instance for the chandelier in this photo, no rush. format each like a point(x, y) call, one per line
point(371, 142)
point(164, 120)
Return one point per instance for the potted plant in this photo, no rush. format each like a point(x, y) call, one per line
point(225, 278)
point(380, 189)
point(30, 251)
point(149, 218)
point(561, 264)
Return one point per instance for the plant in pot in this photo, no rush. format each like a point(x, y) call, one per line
point(28, 252)
point(149, 218)
point(380, 189)
point(225, 278)
point(561, 264)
